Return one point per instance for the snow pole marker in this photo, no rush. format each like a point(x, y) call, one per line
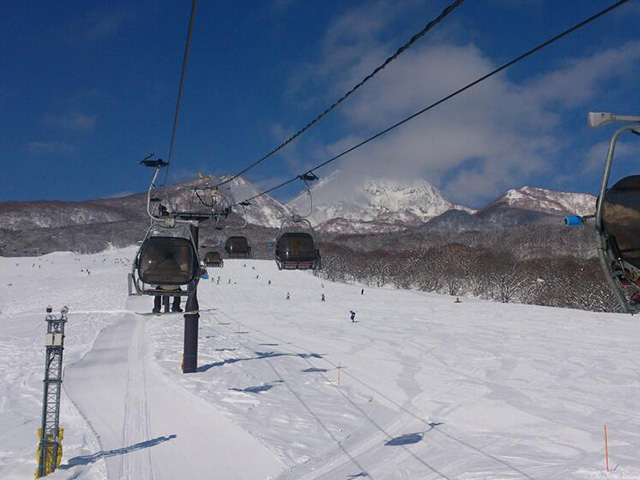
point(606, 447)
point(613, 458)
point(339, 372)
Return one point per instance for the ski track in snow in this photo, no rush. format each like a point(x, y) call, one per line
point(429, 388)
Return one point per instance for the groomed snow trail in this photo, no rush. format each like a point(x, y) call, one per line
point(149, 428)
point(429, 389)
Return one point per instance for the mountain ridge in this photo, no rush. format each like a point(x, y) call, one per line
point(388, 207)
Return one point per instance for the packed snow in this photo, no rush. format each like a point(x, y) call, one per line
point(418, 387)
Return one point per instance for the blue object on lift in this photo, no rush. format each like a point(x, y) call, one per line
point(573, 221)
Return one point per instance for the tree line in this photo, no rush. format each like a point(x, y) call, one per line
point(488, 273)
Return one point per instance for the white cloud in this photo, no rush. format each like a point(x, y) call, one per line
point(106, 24)
point(74, 121)
point(582, 78)
point(125, 193)
point(596, 156)
point(38, 147)
point(492, 137)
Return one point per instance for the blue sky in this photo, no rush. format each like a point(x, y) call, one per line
point(88, 88)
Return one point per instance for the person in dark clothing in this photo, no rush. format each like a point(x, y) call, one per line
point(158, 300)
point(352, 315)
point(168, 263)
point(322, 299)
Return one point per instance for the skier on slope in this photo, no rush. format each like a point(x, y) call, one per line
point(352, 315)
point(322, 299)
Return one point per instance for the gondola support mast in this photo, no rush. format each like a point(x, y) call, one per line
point(50, 433)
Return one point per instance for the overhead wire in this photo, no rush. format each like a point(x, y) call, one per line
point(330, 108)
point(504, 66)
point(183, 74)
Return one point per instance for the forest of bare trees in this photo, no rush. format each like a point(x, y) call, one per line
point(459, 270)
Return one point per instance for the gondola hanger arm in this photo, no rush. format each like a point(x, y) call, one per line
point(599, 119)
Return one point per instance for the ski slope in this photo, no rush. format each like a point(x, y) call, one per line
point(418, 388)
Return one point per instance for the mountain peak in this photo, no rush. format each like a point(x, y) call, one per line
point(368, 200)
point(547, 201)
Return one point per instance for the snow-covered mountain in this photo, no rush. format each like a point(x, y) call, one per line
point(265, 211)
point(368, 206)
point(372, 204)
point(52, 214)
point(546, 201)
point(519, 207)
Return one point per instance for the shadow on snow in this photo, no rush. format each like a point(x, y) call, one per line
point(87, 459)
point(259, 356)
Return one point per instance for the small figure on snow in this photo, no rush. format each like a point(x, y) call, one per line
point(362, 292)
point(257, 277)
point(352, 316)
point(288, 297)
point(229, 281)
point(269, 282)
point(322, 299)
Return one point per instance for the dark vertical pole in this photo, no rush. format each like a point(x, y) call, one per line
point(191, 321)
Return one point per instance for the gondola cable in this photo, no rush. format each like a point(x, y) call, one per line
point(329, 109)
point(446, 98)
point(183, 74)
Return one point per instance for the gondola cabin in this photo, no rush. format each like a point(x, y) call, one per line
point(297, 251)
point(621, 220)
point(617, 219)
point(213, 259)
point(237, 247)
point(167, 261)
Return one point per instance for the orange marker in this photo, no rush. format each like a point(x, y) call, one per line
point(606, 447)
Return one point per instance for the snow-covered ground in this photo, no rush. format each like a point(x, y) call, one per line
point(427, 388)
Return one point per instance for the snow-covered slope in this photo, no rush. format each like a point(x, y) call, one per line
point(419, 387)
point(383, 202)
point(546, 201)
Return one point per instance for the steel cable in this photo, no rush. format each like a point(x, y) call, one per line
point(183, 74)
point(446, 98)
point(329, 109)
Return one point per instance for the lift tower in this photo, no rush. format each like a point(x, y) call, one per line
point(50, 433)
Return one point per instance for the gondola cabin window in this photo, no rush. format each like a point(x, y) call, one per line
point(167, 261)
